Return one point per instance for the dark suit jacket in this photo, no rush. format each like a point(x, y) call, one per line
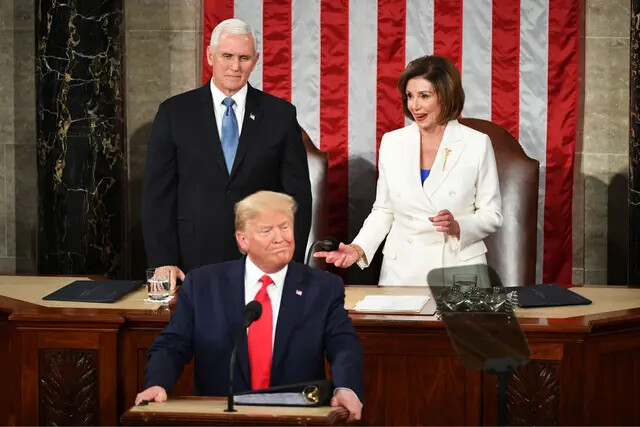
point(209, 314)
point(188, 196)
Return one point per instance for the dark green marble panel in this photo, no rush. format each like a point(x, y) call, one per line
point(634, 146)
point(80, 137)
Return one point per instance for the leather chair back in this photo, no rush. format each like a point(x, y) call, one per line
point(511, 251)
point(318, 162)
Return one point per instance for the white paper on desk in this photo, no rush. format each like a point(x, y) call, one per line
point(286, 398)
point(392, 303)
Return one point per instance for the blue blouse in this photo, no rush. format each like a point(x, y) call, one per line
point(424, 173)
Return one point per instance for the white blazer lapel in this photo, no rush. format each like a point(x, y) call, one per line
point(412, 167)
point(413, 161)
point(449, 152)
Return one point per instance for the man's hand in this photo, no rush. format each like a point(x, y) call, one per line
point(344, 257)
point(349, 400)
point(175, 273)
point(152, 394)
point(445, 223)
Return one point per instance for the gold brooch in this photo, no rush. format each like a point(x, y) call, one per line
point(446, 155)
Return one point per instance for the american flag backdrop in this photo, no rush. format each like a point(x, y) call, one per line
point(338, 62)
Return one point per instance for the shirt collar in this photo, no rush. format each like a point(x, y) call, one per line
point(240, 96)
point(253, 274)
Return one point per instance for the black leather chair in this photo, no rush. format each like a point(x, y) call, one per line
point(511, 251)
point(318, 164)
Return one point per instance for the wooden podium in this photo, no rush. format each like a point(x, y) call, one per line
point(210, 411)
point(81, 363)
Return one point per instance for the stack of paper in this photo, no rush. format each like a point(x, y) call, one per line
point(294, 399)
point(392, 303)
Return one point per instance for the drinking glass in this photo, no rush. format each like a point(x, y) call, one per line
point(453, 298)
point(158, 283)
point(497, 299)
point(465, 281)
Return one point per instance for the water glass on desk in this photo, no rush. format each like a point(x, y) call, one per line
point(465, 281)
point(158, 283)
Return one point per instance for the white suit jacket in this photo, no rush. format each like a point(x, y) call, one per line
point(463, 179)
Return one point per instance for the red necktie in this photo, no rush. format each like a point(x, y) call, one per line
point(260, 333)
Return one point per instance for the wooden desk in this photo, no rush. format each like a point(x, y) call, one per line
point(72, 364)
point(210, 411)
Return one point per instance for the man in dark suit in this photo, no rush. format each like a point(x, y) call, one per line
point(211, 147)
point(303, 317)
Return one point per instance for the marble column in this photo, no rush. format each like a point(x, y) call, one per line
point(634, 146)
point(80, 137)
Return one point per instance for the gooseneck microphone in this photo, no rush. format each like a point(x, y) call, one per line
point(328, 244)
point(252, 312)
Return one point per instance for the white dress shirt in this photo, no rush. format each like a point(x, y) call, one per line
point(252, 285)
point(219, 108)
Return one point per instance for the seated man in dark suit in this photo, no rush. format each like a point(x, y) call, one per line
point(303, 317)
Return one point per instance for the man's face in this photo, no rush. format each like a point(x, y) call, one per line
point(268, 240)
point(232, 61)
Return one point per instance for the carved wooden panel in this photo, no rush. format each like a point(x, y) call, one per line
point(68, 387)
point(533, 395)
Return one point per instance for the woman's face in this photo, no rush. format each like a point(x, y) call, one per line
point(423, 103)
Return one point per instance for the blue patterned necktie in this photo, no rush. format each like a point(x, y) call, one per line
point(229, 133)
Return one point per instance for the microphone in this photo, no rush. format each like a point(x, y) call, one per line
point(252, 312)
point(328, 244)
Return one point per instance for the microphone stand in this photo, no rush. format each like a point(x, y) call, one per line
point(502, 368)
point(329, 243)
point(252, 312)
point(310, 252)
point(232, 365)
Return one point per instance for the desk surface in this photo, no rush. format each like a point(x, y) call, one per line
point(217, 406)
point(32, 289)
point(195, 410)
point(403, 352)
point(608, 301)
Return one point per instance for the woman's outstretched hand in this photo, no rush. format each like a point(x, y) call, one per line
point(344, 257)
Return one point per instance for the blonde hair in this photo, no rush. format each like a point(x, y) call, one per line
point(263, 201)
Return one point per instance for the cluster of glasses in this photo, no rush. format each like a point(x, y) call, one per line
point(475, 299)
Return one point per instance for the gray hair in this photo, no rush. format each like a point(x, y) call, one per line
point(232, 26)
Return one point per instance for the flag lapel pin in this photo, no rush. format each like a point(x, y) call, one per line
point(252, 116)
point(298, 292)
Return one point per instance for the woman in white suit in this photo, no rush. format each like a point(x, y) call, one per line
point(438, 194)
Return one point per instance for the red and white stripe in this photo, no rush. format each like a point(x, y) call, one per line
point(338, 62)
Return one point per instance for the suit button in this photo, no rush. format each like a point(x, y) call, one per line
point(229, 193)
point(452, 193)
point(410, 240)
